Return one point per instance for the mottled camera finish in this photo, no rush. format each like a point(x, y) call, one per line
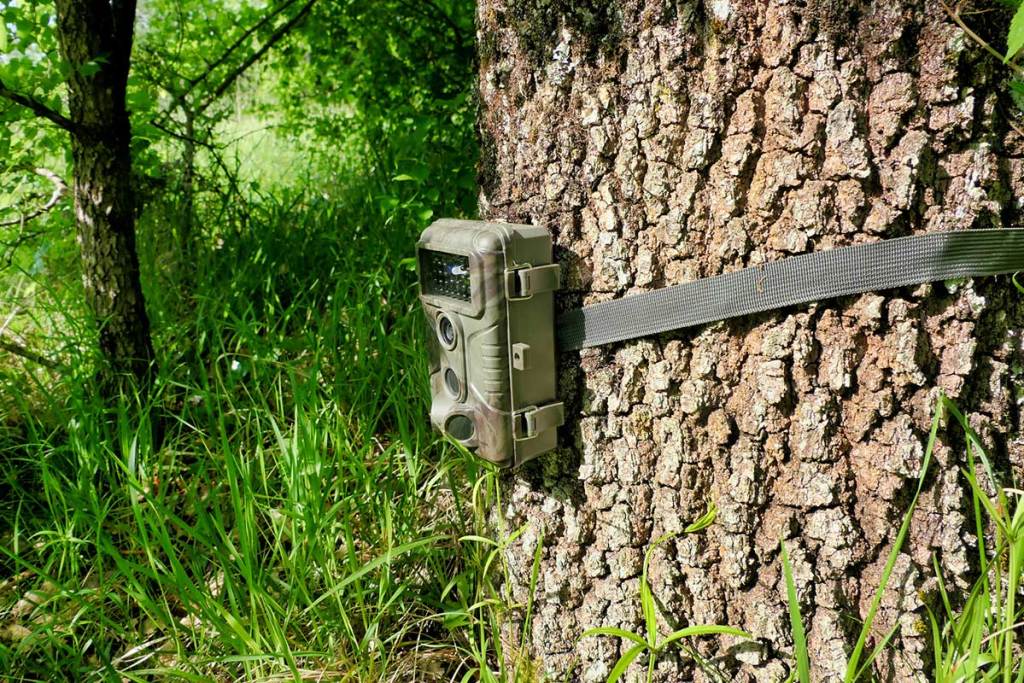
point(487, 292)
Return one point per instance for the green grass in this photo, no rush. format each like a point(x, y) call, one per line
point(651, 642)
point(802, 673)
point(978, 641)
point(298, 520)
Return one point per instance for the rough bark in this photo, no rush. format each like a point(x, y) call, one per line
point(663, 141)
point(95, 40)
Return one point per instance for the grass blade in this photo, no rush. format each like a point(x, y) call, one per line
point(534, 574)
point(647, 599)
point(650, 619)
point(853, 663)
point(615, 632)
point(796, 622)
point(706, 630)
point(380, 560)
point(704, 521)
point(877, 651)
point(624, 661)
point(938, 658)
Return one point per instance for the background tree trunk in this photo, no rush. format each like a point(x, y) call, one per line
point(96, 40)
point(663, 141)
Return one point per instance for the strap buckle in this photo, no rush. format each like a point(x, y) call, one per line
point(536, 420)
point(522, 283)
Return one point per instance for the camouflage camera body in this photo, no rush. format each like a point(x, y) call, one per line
point(487, 292)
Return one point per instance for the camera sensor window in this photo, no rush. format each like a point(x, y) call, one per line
point(460, 427)
point(445, 275)
point(452, 383)
point(446, 331)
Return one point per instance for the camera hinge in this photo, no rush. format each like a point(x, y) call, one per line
point(536, 420)
point(522, 283)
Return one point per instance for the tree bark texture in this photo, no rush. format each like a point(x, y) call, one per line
point(95, 40)
point(664, 141)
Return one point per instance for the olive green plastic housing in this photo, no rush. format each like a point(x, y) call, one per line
point(487, 291)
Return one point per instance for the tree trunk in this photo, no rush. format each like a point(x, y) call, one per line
point(664, 141)
point(95, 40)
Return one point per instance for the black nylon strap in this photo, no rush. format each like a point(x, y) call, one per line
point(796, 280)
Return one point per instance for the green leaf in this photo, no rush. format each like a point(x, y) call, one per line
point(705, 630)
point(646, 598)
point(1017, 93)
point(471, 538)
point(877, 651)
point(1015, 38)
point(647, 605)
point(91, 68)
point(796, 622)
point(417, 173)
point(939, 671)
point(985, 501)
point(614, 632)
point(455, 619)
point(706, 520)
point(1017, 284)
point(534, 575)
point(624, 661)
point(140, 100)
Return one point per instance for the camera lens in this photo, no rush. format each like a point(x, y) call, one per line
point(459, 427)
point(446, 331)
point(451, 381)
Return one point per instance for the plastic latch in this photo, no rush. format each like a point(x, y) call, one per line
point(522, 283)
point(537, 420)
point(521, 356)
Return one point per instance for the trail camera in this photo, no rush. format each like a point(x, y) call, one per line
point(487, 290)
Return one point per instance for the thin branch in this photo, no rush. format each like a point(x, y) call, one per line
point(13, 245)
point(38, 108)
point(142, 68)
point(955, 16)
point(241, 39)
point(274, 38)
point(214, 151)
point(60, 189)
point(27, 354)
point(184, 138)
point(447, 18)
point(19, 349)
point(262, 129)
point(193, 82)
point(437, 12)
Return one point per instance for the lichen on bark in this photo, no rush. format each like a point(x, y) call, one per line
point(716, 136)
point(538, 25)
